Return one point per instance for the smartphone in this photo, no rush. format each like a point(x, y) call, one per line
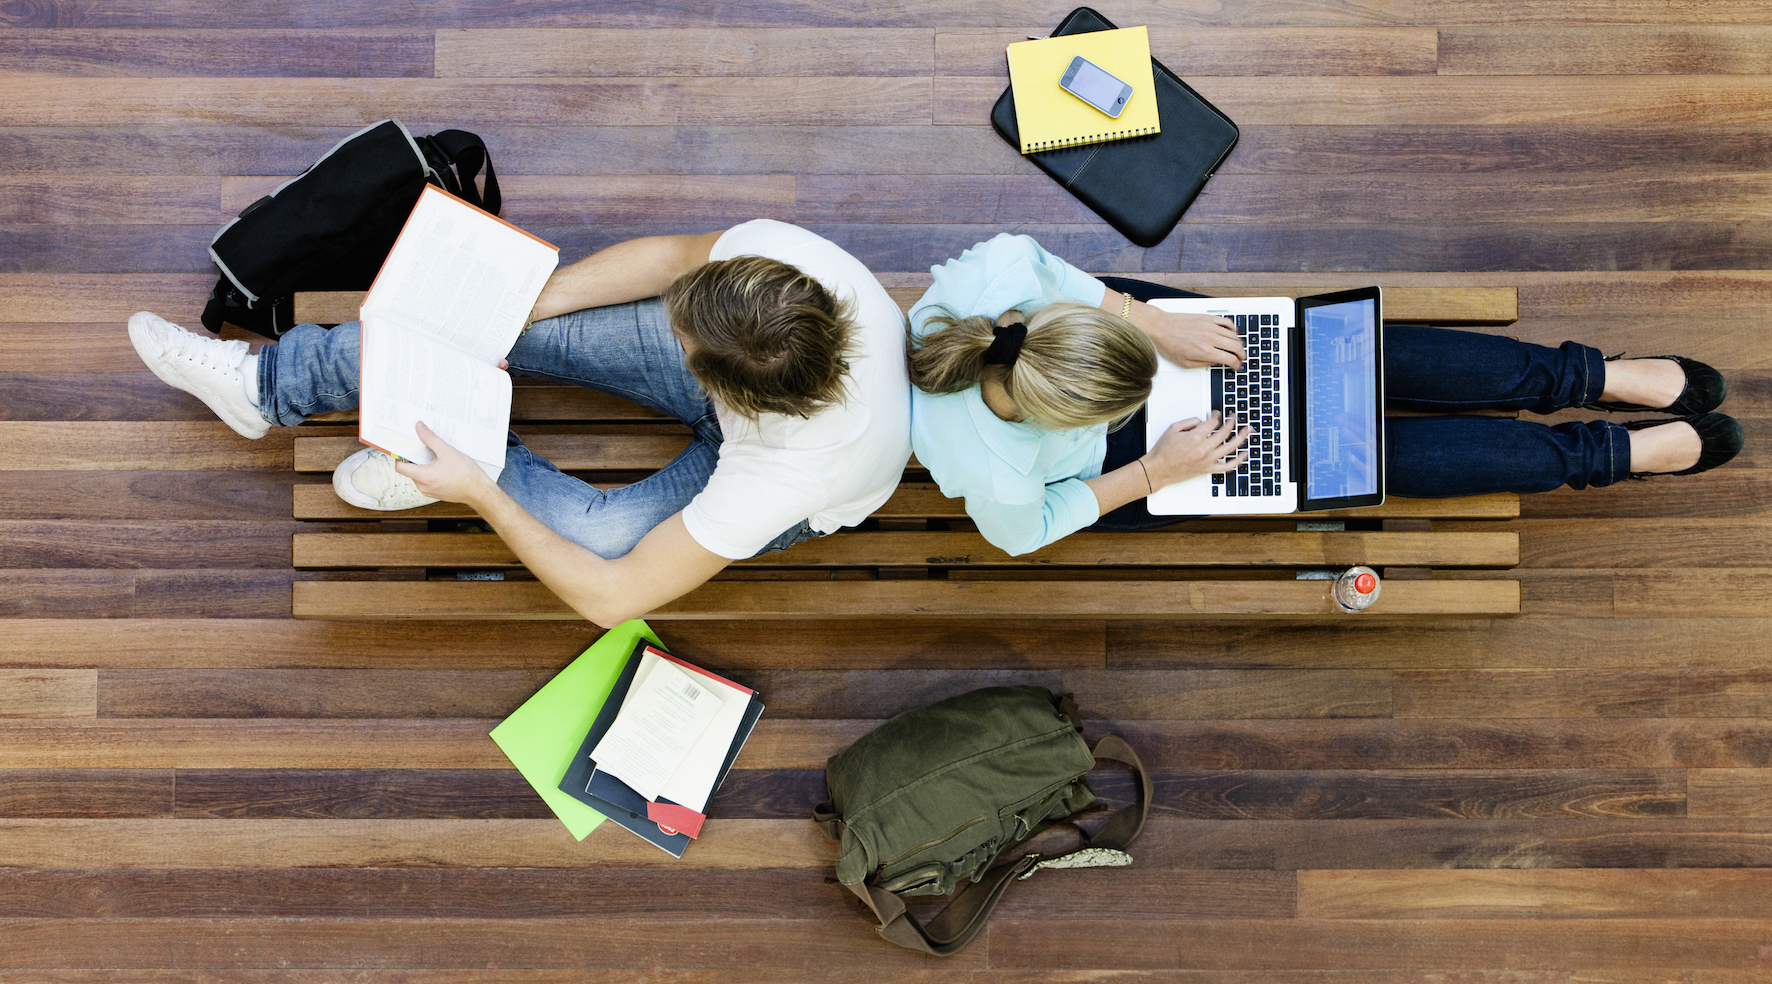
point(1096, 86)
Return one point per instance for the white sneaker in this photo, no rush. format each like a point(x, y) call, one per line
point(206, 368)
point(368, 480)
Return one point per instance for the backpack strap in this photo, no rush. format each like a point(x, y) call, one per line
point(468, 153)
point(954, 926)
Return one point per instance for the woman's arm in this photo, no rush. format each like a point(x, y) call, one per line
point(1189, 447)
point(1191, 341)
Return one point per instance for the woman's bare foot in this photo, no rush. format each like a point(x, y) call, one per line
point(1671, 447)
point(1647, 382)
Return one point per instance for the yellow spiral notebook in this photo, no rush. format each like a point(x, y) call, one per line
point(1049, 117)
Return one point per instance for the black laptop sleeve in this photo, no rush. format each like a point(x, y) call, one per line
point(1140, 185)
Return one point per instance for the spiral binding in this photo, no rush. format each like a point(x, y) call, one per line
point(1041, 145)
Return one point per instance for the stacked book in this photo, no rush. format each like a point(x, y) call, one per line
point(630, 733)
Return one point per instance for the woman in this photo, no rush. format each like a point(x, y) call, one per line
point(1029, 379)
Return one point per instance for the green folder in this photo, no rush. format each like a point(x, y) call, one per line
point(541, 737)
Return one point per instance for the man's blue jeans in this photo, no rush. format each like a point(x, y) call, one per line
point(624, 349)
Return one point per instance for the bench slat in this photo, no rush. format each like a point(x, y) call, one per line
point(1445, 305)
point(913, 549)
point(349, 600)
point(922, 500)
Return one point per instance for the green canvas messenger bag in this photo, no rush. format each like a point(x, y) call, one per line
point(934, 797)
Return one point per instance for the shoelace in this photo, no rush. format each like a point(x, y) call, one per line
point(391, 487)
point(187, 345)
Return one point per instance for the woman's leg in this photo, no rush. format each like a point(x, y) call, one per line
point(1443, 370)
point(1435, 457)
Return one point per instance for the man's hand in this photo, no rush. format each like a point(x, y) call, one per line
point(1192, 341)
point(452, 476)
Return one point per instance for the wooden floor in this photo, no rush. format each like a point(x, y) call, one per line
point(196, 788)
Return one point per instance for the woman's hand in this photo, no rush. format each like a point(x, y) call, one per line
point(1192, 341)
point(1196, 447)
point(453, 476)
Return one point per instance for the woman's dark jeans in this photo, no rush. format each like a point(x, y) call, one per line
point(1439, 370)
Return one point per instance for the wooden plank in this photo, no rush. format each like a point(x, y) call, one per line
point(410, 893)
point(344, 102)
point(1643, 894)
point(1368, 743)
point(1420, 100)
point(1591, 12)
point(48, 693)
point(655, 51)
point(356, 794)
point(89, 793)
point(883, 549)
point(1684, 692)
point(249, 744)
point(1745, 792)
point(679, 13)
point(1308, 944)
point(138, 544)
point(113, 200)
point(1464, 304)
point(174, 496)
point(1644, 542)
point(574, 452)
point(872, 599)
point(924, 500)
point(1694, 592)
point(165, 643)
point(1117, 695)
point(1622, 49)
point(138, 446)
point(1287, 845)
point(1426, 794)
point(1527, 642)
point(180, 844)
point(321, 945)
point(158, 52)
point(1279, 50)
point(1290, 201)
point(313, 693)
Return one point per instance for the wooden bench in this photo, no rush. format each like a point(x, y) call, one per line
point(918, 555)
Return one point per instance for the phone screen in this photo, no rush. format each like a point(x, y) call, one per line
point(1096, 87)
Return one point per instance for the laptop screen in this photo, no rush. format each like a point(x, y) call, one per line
point(1343, 412)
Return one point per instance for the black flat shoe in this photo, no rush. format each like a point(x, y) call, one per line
point(1704, 390)
point(1719, 435)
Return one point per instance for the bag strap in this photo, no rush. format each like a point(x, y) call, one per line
point(954, 926)
point(468, 153)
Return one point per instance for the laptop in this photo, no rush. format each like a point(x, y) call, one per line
point(1312, 389)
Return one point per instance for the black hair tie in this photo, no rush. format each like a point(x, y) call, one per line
point(1006, 346)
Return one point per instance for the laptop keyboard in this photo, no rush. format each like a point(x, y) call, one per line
point(1252, 393)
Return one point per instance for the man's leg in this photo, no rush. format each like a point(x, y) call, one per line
point(626, 350)
point(607, 523)
point(310, 370)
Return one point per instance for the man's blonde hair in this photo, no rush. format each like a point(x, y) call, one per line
point(1079, 366)
point(762, 336)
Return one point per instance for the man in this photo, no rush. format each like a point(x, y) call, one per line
point(781, 352)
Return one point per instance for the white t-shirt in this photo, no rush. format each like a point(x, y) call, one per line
point(835, 467)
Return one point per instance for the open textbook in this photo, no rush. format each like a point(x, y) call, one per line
point(450, 301)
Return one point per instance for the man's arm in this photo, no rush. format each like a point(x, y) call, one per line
point(630, 271)
point(666, 564)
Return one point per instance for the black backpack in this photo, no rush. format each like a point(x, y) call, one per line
point(331, 227)
point(936, 796)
